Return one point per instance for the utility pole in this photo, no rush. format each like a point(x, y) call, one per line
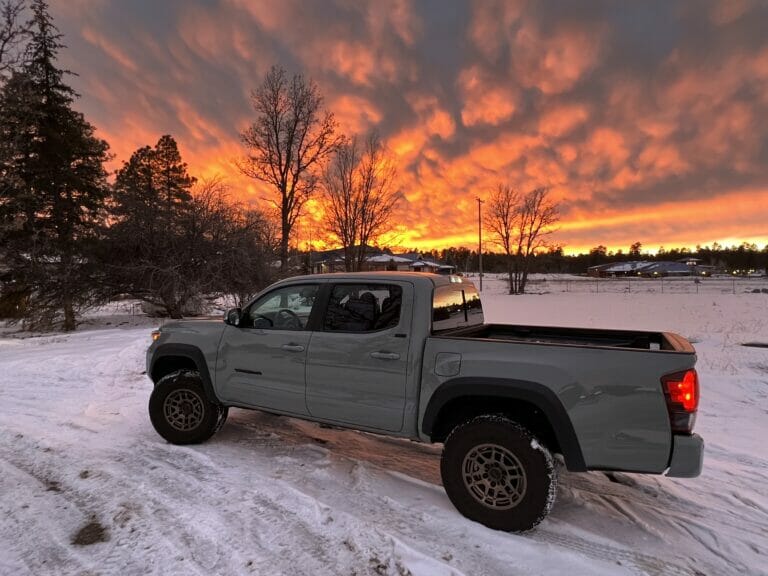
point(311, 271)
point(480, 239)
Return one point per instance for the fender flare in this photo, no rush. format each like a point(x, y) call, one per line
point(192, 353)
point(532, 392)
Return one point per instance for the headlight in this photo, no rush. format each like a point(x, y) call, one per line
point(155, 335)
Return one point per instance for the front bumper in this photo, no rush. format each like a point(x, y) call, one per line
point(150, 353)
point(687, 456)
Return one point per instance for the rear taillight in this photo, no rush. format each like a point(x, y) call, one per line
point(681, 391)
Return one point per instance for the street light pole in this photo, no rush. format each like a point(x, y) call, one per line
point(480, 240)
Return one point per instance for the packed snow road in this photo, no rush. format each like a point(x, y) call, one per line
point(87, 487)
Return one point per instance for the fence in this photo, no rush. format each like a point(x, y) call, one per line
point(685, 285)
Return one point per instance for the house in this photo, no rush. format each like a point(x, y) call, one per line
point(615, 269)
point(663, 269)
point(645, 269)
point(421, 265)
point(379, 260)
point(327, 261)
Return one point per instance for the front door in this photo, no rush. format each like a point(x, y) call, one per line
point(357, 362)
point(261, 363)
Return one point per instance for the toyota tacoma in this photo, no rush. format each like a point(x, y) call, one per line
point(409, 355)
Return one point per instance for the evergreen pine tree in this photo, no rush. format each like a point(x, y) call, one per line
point(52, 183)
point(152, 237)
point(172, 180)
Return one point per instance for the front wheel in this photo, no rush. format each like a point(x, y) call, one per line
point(497, 473)
point(180, 411)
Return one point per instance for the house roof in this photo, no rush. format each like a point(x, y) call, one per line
point(388, 258)
point(627, 266)
point(666, 267)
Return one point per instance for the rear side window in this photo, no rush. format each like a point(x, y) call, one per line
point(363, 308)
point(456, 305)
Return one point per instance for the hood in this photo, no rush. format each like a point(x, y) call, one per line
point(204, 325)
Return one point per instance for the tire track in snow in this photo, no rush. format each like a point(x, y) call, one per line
point(671, 520)
point(638, 562)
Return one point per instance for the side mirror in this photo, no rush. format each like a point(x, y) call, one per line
point(233, 316)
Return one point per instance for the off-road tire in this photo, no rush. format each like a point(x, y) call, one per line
point(497, 473)
point(181, 412)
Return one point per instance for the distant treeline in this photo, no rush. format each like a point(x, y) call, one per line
point(725, 258)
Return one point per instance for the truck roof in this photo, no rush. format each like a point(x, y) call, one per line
point(419, 277)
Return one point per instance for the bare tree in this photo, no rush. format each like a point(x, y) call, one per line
point(291, 136)
point(521, 225)
point(342, 210)
point(12, 36)
point(241, 243)
point(503, 219)
point(232, 244)
point(539, 216)
point(379, 195)
point(361, 195)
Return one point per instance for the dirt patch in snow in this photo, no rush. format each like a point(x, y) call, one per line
point(91, 533)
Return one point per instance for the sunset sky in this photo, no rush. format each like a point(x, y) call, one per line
point(648, 120)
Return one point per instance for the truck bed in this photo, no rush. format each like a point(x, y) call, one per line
point(590, 337)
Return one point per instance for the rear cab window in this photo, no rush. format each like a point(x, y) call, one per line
point(456, 305)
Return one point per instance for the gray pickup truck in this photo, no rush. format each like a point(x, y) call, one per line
point(409, 354)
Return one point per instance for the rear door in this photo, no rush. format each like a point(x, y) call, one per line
point(357, 363)
point(262, 362)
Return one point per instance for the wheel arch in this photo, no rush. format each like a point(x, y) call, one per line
point(169, 358)
point(531, 404)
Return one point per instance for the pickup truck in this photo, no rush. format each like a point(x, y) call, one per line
point(409, 355)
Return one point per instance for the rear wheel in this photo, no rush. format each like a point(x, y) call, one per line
point(497, 473)
point(180, 411)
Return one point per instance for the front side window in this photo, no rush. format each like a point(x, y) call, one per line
point(285, 308)
point(363, 308)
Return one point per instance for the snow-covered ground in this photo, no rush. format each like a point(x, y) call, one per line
point(79, 462)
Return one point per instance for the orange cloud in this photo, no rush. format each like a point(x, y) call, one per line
point(355, 115)
point(648, 122)
point(113, 51)
point(491, 22)
point(558, 121)
point(484, 102)
point(555, 62)
point(436, 119)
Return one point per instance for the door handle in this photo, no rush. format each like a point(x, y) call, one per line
point(293, 347)
point(385, 355)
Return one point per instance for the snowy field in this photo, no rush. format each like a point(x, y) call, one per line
point(87, 487)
